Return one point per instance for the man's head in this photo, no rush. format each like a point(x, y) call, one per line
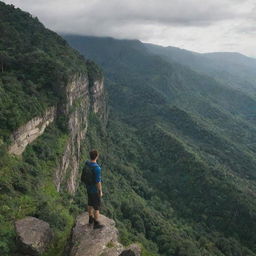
point(94, 155)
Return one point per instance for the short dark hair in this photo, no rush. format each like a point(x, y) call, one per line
point(93, 154)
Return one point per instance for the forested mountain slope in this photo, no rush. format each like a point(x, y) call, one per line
point(177, 149)
point(47, 93)
point(190, 139)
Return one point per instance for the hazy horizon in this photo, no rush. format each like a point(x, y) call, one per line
point(136, 39)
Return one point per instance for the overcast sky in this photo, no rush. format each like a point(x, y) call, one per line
point(198, 25)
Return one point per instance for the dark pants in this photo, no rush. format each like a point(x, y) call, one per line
point(94, 200)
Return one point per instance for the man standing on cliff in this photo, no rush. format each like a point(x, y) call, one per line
point(91, 177)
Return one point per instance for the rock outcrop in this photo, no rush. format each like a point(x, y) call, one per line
point(27, 133)
point(76, 109)
point(98, 98)
point(89, 242)
point(81, 99)
point(86, 241)
point(33, 235)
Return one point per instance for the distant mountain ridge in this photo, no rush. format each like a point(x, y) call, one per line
point(232, 69)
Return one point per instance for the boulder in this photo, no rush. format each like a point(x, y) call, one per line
point(33, 236)
point(86, 241)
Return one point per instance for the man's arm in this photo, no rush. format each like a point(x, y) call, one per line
point(98, 180)
point(99, 187)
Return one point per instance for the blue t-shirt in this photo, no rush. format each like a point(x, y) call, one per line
point(97, 172)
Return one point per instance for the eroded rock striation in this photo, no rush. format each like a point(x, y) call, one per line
point(27, 133)
point(76, 108)
point(86, 241)
point(34, 236)
point(81, 99)
point(98, 98)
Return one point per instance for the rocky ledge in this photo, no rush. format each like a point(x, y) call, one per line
point(35, 236)
point(86, 241)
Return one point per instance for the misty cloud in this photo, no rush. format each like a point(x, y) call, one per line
point(197, 25)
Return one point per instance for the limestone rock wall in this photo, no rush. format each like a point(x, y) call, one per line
point(98, 98)
point(77, 108)
point(27, 133)
point(81, 99)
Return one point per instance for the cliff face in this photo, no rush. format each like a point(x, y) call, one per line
point(82, 98)
point(27, 133)
point(98, 98)
point(80, 101)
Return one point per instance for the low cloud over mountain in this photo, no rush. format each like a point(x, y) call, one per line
point(212, 25)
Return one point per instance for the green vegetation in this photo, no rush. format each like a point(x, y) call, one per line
point(36, 64)
point(180, 154)
point(170, 211)
point(177, 154)
point(27, 189)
